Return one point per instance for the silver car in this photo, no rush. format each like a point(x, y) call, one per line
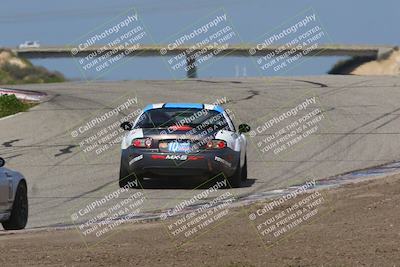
point(13, 199)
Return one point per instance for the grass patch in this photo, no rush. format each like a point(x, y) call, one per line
point(10, 104)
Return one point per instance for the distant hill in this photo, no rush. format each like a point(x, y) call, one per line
point(16, 70)
point(388, 64)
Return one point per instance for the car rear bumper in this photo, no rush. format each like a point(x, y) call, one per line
point(147, 163)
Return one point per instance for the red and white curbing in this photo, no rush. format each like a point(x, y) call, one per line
point(25, 95)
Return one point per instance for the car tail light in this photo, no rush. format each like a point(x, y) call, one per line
point(216, 144)
point(158, 156)
point(142, 142)
point(195, 157)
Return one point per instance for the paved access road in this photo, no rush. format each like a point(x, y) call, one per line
point(360, 128)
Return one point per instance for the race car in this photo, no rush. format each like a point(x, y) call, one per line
point(183, 139)
point(13, 199)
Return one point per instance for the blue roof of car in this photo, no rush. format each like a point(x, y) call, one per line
point(182, 105)
point(219, 108)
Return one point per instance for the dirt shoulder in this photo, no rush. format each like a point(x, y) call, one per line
point(361, 228)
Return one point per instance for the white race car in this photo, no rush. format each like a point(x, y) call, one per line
point(13, 199)
point(183, 139)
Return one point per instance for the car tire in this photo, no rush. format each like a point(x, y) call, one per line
point(236, 179)
point(125, 177)
point(244, 169)
point(19, 212)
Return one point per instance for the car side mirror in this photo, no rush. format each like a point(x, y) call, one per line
point(244, 128)
point(2, 162)
point(127, 126)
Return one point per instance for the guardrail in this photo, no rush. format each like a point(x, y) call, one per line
point(25, 95)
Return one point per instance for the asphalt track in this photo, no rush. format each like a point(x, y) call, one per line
point(360, 129)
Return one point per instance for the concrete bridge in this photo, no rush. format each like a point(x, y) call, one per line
point(244, 50)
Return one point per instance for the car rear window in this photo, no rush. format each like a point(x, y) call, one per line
point(166, 117)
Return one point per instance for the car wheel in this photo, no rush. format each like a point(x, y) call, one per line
point(244, 169)
point(19, 212)
point(125, 177)
point(236, 179)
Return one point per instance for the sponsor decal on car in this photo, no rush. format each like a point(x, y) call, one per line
point(135, 159)
point(176, 157)
point(223, 161)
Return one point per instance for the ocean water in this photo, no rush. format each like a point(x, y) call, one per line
point(55, 23)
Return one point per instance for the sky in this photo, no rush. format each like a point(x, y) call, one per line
point(64, 22)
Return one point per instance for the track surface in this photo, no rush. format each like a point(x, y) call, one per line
point(361, 129)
